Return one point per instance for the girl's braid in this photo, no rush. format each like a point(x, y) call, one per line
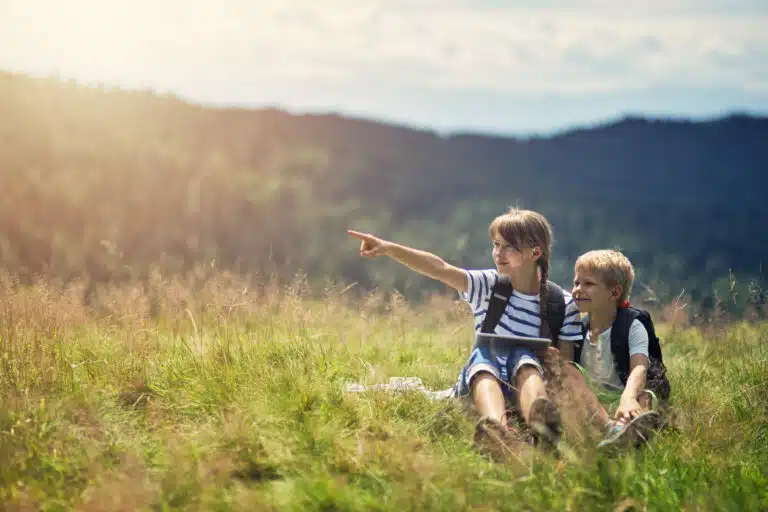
point(544, 265)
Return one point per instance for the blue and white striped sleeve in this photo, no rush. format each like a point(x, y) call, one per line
point(480, 283)
point(571, 329)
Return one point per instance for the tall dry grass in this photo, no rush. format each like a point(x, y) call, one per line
point(210, 391)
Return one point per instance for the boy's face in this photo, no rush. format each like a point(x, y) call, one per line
point(592, 294)
point(507, 258)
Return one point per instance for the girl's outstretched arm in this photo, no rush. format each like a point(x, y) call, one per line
point(422, 262)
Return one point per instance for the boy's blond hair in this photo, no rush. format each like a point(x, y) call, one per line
point(611, 267)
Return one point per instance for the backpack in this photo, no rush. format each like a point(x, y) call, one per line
point(550, 326)
point(656, 378)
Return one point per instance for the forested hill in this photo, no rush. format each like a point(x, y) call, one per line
point(107, 183)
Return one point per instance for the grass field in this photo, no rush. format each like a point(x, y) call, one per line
point(203, 394)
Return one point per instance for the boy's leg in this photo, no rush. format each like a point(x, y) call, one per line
point(580, 402)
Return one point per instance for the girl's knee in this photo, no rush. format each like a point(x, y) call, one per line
point(529, 375)
point(483, 378)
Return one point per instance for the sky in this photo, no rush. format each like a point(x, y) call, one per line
point(505, 67)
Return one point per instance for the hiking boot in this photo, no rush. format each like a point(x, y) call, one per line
point(497, 441)
point(545, 422)
point(638, 431)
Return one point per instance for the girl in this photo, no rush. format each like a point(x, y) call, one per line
point(522, 245)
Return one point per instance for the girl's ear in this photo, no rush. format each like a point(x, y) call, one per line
point(616, 292)
point(536, 253)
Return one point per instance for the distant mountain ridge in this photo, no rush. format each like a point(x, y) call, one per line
point(164, 180)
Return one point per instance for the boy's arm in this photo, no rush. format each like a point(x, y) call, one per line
point(422, 262)
point(628, 405)
point(638, 370)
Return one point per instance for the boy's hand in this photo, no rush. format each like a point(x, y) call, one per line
point(629, 407)
point(370, 246)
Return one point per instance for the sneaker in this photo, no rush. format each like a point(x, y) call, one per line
point(634, 433)
point(644, 426)
point(545, 422)
point(617, 434)
point(496, 440)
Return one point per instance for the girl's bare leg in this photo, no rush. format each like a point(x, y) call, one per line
point(530, 386)
point(488, 397)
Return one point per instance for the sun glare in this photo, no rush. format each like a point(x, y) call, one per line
point(105, 41)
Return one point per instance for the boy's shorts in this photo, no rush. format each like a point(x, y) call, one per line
point(609, 396)
point(485, 357)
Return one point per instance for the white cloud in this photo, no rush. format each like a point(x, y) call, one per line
point(218, 50)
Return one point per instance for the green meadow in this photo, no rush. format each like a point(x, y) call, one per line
point(211, 393)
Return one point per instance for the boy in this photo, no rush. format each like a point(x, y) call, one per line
point(614, 358)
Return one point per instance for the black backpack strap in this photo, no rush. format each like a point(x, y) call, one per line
point(654, 348)
point(620, 340)
point(656, 379)
point(578, 345)
point(500, 294)
point(555, 308)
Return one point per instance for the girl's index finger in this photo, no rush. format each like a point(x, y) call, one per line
point(362, 236)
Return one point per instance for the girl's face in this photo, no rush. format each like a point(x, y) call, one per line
point(508, 259)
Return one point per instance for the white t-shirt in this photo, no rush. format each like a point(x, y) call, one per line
point(597, 358)
point(521, 317)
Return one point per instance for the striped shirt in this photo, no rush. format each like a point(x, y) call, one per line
point(521, 318)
